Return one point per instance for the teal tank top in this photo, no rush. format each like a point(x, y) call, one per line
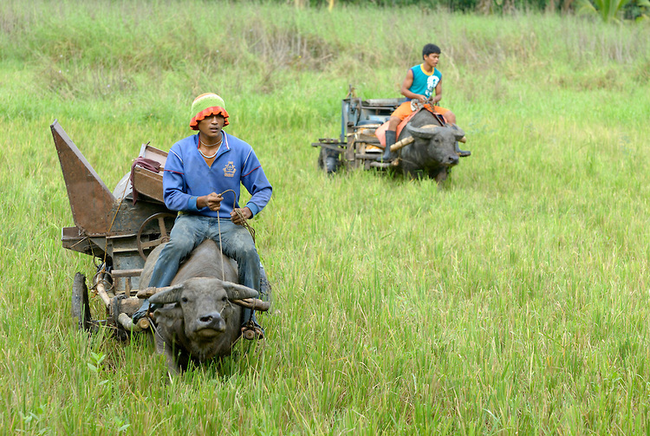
point(424, 83)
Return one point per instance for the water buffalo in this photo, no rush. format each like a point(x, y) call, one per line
point(433, 153)
point(198, 320)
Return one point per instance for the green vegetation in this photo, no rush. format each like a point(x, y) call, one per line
point(511, 301)
point(612, 10)
point(631, 9)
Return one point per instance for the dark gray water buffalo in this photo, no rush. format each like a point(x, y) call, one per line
point(433, 153)
point(201, 317)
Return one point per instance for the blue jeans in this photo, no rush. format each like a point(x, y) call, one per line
point(188, 233)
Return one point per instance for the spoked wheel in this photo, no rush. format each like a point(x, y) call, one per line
point(328, 160)
point(322, 156)
point(80, 306)
point(159, 224)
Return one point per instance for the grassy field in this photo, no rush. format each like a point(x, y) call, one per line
point(513, 300)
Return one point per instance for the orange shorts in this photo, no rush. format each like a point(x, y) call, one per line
point(404, 110)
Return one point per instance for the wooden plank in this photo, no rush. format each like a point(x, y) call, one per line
point(382, 102)
point(365, 156)
point(148, 183)
point(336, 148)
point(126, 272)
point(149, 152)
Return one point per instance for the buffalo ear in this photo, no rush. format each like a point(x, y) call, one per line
point(236, 291)
point(458, 132)
point(167, 316)
point(169, 295)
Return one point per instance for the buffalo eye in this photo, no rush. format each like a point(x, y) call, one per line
point(184, 300)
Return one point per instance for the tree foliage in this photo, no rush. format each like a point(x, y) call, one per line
point(614, 10)
point(607, 10)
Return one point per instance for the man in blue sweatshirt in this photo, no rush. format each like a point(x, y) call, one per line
point(202, 179)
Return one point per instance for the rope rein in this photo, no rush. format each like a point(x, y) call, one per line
point(243, 219)
point(248, 227)
point(245, 224)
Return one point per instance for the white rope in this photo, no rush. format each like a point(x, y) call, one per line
point(223, 271)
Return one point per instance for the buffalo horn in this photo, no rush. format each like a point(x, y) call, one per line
point(425, 132)
point(402, 143)
point(459, 134)
point(236, 291)
point(148, 292)
point(171, 294)
point(254, 304)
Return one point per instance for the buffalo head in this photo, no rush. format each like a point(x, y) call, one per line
point(199, 318)
point(435, 145)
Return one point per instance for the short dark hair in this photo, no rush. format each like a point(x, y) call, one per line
point(430, 48)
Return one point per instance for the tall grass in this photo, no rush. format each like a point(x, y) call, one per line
point(512, 300)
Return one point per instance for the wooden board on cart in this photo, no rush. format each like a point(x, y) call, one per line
point(147, 182)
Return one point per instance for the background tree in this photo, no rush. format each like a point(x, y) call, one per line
point(613, 10)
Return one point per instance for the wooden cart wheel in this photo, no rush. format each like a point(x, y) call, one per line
point(321, 158)
point(80, 306)
point(160, 227)
point(328, 160)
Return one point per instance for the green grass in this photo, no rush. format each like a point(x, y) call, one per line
point(512, 300)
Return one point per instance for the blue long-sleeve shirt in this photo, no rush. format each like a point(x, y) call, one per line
point(187, 176)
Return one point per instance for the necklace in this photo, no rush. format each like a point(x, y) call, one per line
point(210, 145)
point(209, 157)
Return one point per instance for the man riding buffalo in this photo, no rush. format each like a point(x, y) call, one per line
point(202, 179)
point(418, 87)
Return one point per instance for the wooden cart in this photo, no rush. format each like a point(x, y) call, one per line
point(357, 145)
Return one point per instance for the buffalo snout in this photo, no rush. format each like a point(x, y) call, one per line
point(450, 160)
point(209, 324)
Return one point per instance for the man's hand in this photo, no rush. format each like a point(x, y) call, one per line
point(213, 201)
point(241, 217)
